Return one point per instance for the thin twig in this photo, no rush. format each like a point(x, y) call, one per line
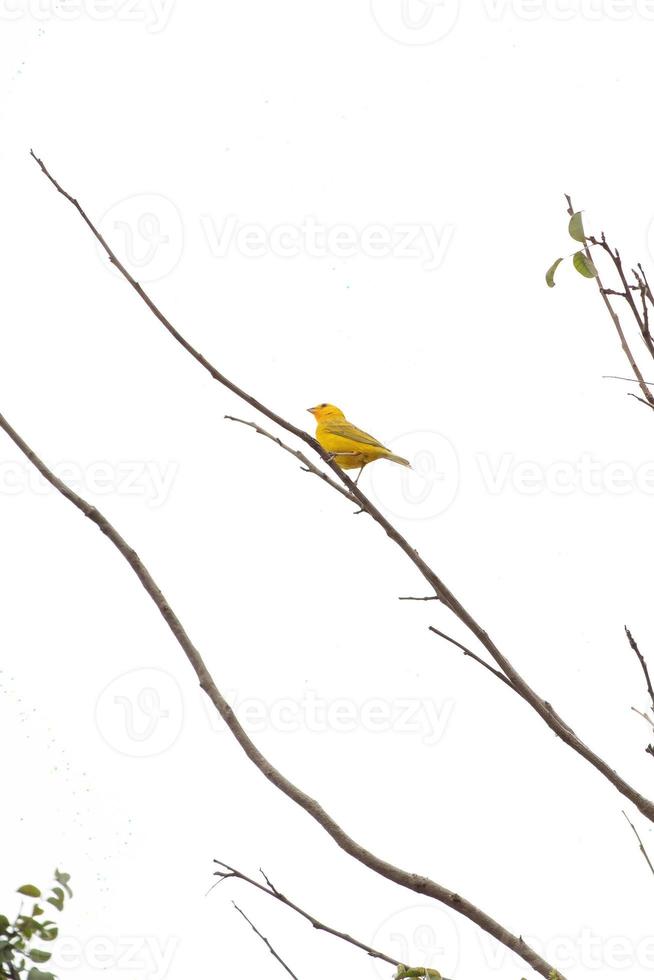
point(263, 939)
point(542, 707)
point(648, 291)
point(619, 377)
point(643, 300)
point(273, 892)
point(640, 843)
point(642, 323)
point(416, 883)
point(269, 889)
point(639, 399)
point(307, 465)
point(612, 313)
point(418, 598)
point(643, 714)
point(468, 653)
point(643, 664)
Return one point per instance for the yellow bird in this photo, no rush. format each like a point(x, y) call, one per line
point(351, 447)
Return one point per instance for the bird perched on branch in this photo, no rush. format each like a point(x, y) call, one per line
point(351, 448)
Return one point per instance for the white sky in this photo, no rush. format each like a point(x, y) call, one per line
point(260, 166)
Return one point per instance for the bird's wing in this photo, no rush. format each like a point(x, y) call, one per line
point(348, 431)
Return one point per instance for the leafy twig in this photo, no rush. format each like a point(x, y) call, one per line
point(649, 398)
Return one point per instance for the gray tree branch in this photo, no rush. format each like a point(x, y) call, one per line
point(417, 883)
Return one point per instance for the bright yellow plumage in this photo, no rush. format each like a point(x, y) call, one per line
point(352, 448)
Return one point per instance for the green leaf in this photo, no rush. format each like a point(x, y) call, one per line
point(549, 275)
point(4, 923)
point(11, 948)
point(58, 900)
point(37, 910)
point(584, 266)
point(35, 974)
point(48, 933)
point(62, 878)
point(39, 956)
point(576, 228)
point(26, 926)
point(31, 890)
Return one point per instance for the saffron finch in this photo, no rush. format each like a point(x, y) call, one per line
point(351, 447)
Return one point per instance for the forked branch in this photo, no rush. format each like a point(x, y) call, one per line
point(307, 465)
point(227, 871)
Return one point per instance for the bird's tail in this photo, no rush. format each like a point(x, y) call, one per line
point(399, 459)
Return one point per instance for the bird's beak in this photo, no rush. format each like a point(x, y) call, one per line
point(312, 410)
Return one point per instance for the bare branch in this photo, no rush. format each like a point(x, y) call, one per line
point(542, 707)
point(418, 598)
point(468, 653)
point(648, 291)
point(307, 465)
point(619, 377)
point(643, 299)
point(643, 714)
point(642, 322)
point(639, 399)
point(269, 889)
point(417, 883)
point(263, 938)
point(640, 843)
point(643, 664)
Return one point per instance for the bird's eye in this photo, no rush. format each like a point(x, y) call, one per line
point(324, 405)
